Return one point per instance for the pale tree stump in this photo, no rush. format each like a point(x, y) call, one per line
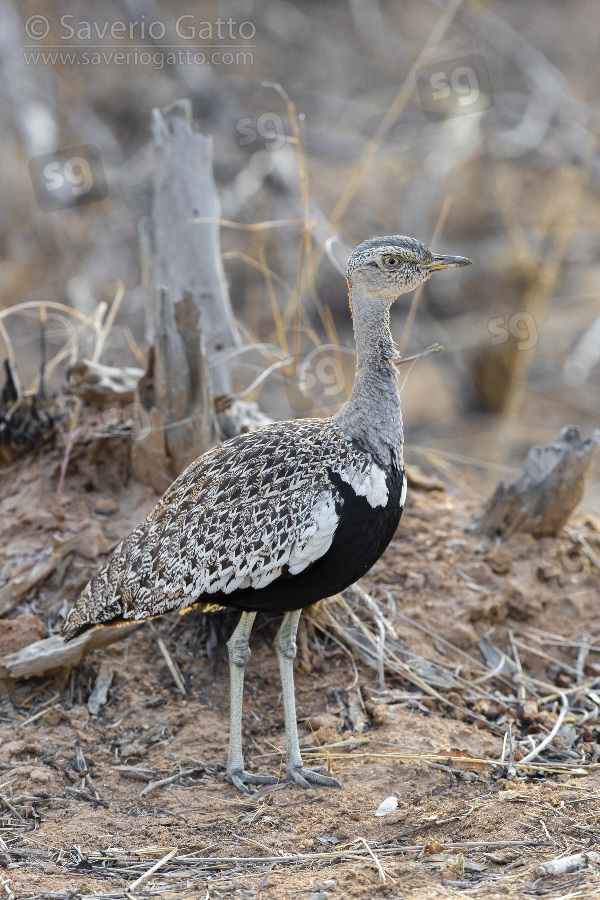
point(541, 500)
point(190, 327)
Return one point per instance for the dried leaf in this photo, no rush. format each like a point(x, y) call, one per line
point(432, 847)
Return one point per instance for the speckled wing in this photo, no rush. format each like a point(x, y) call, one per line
point(259, 506)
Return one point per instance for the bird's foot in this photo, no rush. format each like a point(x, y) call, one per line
point(303, 776)
point(239, 778)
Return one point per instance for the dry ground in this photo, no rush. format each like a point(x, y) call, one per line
point(58, 828)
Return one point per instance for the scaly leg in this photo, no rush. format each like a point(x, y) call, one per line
point(239, 654)
point(285, 647)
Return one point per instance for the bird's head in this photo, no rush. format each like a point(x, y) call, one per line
point(384, 267)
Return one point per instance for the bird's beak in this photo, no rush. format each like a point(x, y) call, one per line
point(448, 262)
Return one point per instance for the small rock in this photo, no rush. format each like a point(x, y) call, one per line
point(50, 868)
point(565, 738)
point(461, 634)
point(323, 720)
point(500, 560)
point(456, 544)
point(105, 506)
point(17, 633)
point(387, 806)
point(449, 875)
point(325, 885)
point(414, 580)
point(478, 572)
point(37, 775)
point(547, 570)
point(530, 710)
point(382, 715)
point(417, 479)
point(320, 895)
point(317, 662)
point(519, 603)
point(93, 543)
point(54, 716)
point(522, 546)
point(342, 835)
point(436, 578)
point(11, 749)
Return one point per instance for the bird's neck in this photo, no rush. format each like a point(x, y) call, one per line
point(371, 416)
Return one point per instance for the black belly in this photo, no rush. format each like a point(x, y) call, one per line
point(361, 537)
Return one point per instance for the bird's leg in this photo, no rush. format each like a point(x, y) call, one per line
point(239, 654)
point(285, 647)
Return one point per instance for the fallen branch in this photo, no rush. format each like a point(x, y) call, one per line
point(153, 869)
point(163, 781)
point(91, 541)
point(575, 863)
point(207, 863)
point(53, 653)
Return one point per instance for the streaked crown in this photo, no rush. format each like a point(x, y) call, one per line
point(394, 264)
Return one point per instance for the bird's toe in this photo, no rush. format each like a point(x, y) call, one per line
point(240, 778)
point(304, 777)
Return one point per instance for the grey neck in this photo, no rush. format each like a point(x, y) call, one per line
point(371, 416)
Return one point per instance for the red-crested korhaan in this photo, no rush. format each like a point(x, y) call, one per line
point(280, 518)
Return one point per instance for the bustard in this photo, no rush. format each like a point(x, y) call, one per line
point(283, 517)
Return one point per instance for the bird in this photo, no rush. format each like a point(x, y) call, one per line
point(279, 518)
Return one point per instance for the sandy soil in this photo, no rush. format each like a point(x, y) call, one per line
point(57, 825)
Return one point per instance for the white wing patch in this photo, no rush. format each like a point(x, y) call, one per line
point(260, 570)
point(316, 539)
point(370, 484)
point(403, 491)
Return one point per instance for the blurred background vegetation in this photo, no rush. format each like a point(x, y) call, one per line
point(470, 125)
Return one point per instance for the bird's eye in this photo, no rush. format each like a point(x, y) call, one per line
point(390, 261)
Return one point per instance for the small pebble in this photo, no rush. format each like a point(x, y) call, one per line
point(456, 543)
point(325, 885)
point(387, 806)
point(320, 895)
point(105, 506)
